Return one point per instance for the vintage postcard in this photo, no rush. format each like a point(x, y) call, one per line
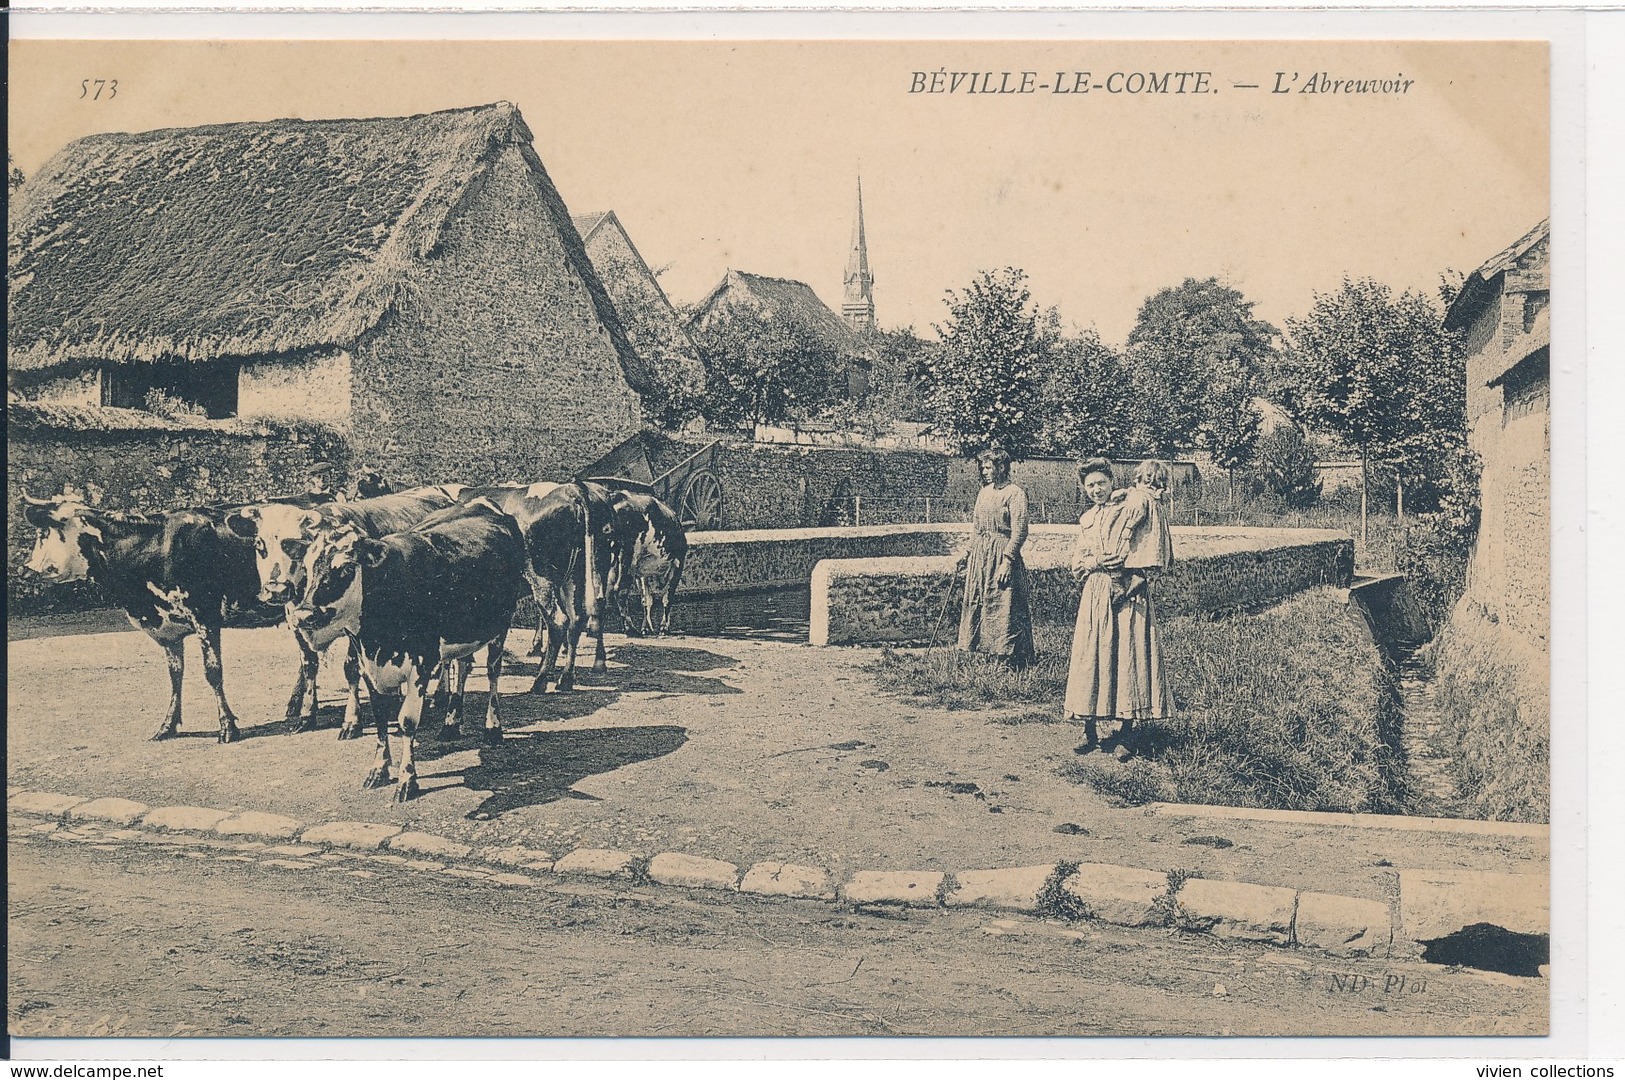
point(778, 538)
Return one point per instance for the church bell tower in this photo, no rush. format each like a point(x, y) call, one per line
point(858, 306)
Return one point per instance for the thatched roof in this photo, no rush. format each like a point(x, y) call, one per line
point(1480, 284)
point(246, 239)
point(776, 298)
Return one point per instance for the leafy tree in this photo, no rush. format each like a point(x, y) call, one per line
point(1382, 372)
point(764, 369)
point(14, 175)
point(1088, 405)
point(896, 390)
point(1183, 338)
point(1230, 421)
point(985, 378)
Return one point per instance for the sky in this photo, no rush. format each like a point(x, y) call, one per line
point(745, 155)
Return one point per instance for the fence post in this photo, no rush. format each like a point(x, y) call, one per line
point(857, 509)
point(928, 509)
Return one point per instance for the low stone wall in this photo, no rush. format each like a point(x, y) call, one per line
point(901, 600)
point(125, 459)
point(734, 561)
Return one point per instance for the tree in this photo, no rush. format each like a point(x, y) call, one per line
point(1087, 406)
point(1286, 465)
point(1183, 337)
point(764, 369)
point(1230, 421)
point(897, 362)
point(14, 176)
point(985, 377)
point(1381, 371)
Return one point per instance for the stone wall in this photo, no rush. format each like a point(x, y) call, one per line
point(495, 364)
point(726, 562)
point(308, 388)
point(787, 487)
point(124, 459)
point(901, 600)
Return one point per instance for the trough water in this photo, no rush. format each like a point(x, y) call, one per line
point(778, 614)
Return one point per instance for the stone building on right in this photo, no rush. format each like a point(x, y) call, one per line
point(1493, 660)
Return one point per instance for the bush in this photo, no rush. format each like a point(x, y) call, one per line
point(1285, 466)
point(1434, 564)
point(162, 404)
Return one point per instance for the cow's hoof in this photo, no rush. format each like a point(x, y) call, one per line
point(407, 789)
point(599, 667)
point(450, 732)
point(565, 685)
point(164, 732)
point(538, 687)
point(377, 778)
point(229, 732)
point(296, 724)
point(493, 736)
point(349, 731)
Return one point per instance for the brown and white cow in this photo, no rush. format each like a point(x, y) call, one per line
point(650, 552)
point(281, 534)
point(413, 601)
point(174, 574)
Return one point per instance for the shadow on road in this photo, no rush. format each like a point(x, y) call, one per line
point(533, 768)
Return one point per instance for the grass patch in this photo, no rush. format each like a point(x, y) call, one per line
point(1497, 722)
point(1289, 708)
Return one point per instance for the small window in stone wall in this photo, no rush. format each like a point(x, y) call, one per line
point(1527, 387)
point(174, 389)
point(1533, 306)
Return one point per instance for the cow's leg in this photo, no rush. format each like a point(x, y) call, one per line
point(215, 673)
point(493, 672)
point(351, 728)
point(412, 698)
point(384, 709)
point(452, 727)
point(543, 597)
point(175, 658)
point(600, 661)
point(646, 591)
point(556, 617)
point(308, 662)
point(578, 626)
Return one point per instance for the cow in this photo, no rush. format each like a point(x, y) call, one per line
point(650, 552)
point(568, 530)
point(281, 533)
point(174, 574)
point(412, 601)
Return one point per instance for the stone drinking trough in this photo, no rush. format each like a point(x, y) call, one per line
point(886, 584)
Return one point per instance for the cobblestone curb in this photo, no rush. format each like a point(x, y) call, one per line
point(1129, 896)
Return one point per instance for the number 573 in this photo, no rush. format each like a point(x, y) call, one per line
point(94, 88)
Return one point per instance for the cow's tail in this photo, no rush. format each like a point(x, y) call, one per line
point(590, 549)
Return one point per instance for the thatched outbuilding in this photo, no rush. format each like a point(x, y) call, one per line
point(416, 282)
point(654, 328)
point(785, 298)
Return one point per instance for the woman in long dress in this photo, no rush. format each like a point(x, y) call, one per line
point(1116, 674)
point(997, 616)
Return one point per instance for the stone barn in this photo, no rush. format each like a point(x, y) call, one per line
point(1494, 671)
point(416, 283)
point(652, 325)
point(1503, 308)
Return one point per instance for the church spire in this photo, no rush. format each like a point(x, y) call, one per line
point(858, 307)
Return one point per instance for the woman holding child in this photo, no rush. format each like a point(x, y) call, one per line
point(1116, 671)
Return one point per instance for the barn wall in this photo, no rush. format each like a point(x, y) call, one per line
point(124, 460)
point(493, 365)
point(79, 388)
point(317, 388)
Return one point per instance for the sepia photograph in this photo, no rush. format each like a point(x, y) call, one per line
point(778, 538)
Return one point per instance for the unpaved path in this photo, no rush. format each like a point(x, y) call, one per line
point(738, 750)
point(130, 940)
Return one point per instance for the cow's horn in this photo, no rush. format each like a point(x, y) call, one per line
point(31, 501)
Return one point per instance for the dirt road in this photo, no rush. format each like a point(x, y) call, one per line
point(132, 939)
point(746, 751)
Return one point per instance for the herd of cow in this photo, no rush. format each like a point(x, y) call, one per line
point(410, 585)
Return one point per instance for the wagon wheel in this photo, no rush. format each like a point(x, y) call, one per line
point(702, 501)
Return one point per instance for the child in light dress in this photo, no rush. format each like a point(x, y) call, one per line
point(1139, 530)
